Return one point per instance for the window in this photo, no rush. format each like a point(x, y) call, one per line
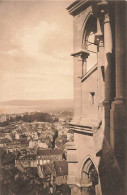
point(92, 48)
point(92, 97)
point(89, 44)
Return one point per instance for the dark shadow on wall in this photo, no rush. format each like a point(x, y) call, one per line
point(111, 162)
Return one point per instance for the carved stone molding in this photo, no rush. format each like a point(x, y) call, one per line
point(83, 54)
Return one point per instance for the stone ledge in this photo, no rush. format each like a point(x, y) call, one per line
point(83, 53)
point(81, 129)
point(76, 181)
point(92, 70)
point(76, 5)
point(71, 146)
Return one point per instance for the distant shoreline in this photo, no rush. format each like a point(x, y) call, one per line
point(20, 106)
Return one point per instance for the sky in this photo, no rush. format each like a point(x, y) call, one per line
point(36, 40)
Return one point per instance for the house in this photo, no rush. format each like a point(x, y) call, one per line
point(34, 135)
point(56, 154)
point(17, 135)
point(42, 144)
point(3, 118)
point(61, 170)
point(32, 172)
point(49, 172)
point(40, 171)
point(47, 155)
point(8, 136)
point(28, 160)
point(70, 135)
point(37, 143)
point(33, 143)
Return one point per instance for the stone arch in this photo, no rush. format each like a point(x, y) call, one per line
point(89, 177)
point(88, 42)
point(83, 27)
point(87, 20)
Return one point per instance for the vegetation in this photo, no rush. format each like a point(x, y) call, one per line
point(36, 116)
point(6, 158)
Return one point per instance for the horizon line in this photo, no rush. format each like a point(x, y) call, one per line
point(35, 99)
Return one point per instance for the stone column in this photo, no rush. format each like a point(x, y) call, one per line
point(103, 12)
point(79, 59)
point(85, 191)
point(118, 111)
point(109, 95)
point(120, 47)
point(118, 105)
point(77, 88)
point(75, 190)
point(100, 44)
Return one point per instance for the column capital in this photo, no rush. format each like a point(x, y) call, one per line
point(106, 18)
point(119, 100)
point(83, 54)
point(106, 103)
point(103, 8)
point(98, 36)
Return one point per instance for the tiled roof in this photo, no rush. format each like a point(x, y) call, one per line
point(30, 156)
point(49, 152)
point(48, 169)
point(43, 152)
point(56, 151)
point(61, 168)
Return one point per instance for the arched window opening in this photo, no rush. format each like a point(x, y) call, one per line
point(89, 43)
point(89, 178)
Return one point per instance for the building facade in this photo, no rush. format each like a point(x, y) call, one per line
point(97, 156)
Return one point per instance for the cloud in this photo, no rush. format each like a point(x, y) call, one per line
point(45, 47)
point(43, 41)
point(45, 38)
point(32, 40)
point(36, 63)
point(70, 1)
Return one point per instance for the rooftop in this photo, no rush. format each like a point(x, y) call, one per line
point(61, 168)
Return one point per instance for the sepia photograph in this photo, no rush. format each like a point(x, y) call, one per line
point(63, 97)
